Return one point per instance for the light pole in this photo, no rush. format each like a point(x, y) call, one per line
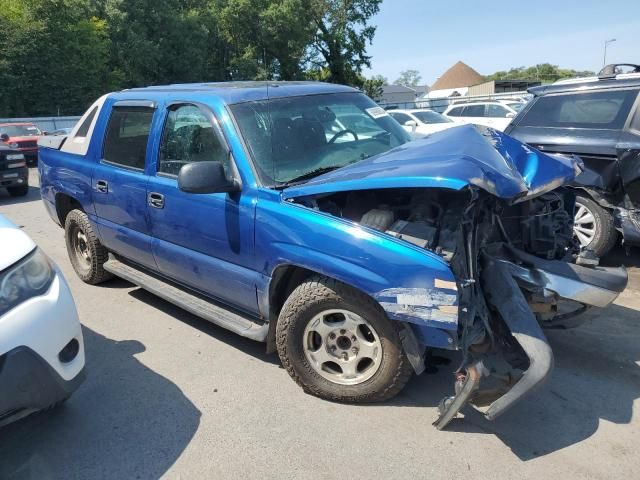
point(606, 44)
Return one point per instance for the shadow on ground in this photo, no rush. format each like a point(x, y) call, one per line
point(32, 196)
point(139, 423)
point(596, 378)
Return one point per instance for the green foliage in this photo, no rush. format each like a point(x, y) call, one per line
point(57, 56)
point(543, 72)
point(372, 87)
point(408, 78)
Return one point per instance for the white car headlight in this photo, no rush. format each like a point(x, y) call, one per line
point(15, 156)
point(28, 278)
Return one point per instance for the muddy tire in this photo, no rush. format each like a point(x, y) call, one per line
point(19, 191)
point(85, 251)
point(338, 344)
point(593, 226)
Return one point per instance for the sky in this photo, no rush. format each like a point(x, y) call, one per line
point(431, 36)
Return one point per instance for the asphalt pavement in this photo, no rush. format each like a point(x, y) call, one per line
point(168, 394)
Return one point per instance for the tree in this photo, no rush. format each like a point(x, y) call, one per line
point(408, 78)
point(544, 72)
point(266, 39)
point(341, 37)
point(372, 87)
point(53, 58)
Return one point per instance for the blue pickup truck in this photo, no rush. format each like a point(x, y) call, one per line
point(299, 214)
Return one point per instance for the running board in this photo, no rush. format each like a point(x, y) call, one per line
point(189, 301)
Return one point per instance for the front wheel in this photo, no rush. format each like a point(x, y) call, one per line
point(338, 344)
point(593, 226)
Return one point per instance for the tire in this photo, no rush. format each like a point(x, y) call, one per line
point(317, 298)
point(85, 251)
point(19, 191)
point(593, 222)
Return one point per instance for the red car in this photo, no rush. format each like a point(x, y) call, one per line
point(22, 137)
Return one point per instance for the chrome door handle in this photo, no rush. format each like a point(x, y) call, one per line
point(156, 200)
point(102, 186)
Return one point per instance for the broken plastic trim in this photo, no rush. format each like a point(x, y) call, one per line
point(505, 295)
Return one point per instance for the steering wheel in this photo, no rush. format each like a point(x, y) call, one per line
point(343, 132)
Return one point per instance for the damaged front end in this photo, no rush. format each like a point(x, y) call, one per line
point(496, 213)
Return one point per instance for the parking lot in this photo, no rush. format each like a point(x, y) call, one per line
point(168, 394)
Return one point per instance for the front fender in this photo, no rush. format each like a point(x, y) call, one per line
point(411, 284)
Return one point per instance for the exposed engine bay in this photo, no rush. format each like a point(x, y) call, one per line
point(517, 268)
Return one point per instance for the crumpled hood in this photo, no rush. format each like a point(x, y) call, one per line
point(454, 158)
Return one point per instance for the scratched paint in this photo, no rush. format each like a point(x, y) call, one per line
point(427, 305)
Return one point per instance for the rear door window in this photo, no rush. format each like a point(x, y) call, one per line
point(473, 111)
point(455, 112)
point(596, 110)
point(496, 111)
point(127, 135)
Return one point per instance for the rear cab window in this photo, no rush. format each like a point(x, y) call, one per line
point(593, 110)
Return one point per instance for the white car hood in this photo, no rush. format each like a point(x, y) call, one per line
point(14, 243)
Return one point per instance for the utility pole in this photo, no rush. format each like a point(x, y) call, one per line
point(606, 44)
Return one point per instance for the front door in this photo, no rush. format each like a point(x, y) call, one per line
point(204, 241)
point(120, 183)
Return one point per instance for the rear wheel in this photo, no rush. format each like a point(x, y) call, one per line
point(85, 251)
point(19, 191)
point(338, 344)
point(593, 226)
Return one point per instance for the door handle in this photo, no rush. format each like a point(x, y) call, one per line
point(102, 186)
point(156, 200)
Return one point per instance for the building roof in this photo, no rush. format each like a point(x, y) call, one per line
point(397, 89)
point(460, 75)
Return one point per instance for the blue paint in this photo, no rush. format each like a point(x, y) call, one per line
point(228, 246)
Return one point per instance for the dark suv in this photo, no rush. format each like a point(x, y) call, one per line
point(597, 118)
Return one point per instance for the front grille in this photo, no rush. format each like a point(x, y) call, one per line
point(27, 143)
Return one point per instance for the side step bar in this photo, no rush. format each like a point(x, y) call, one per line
point(189, 301)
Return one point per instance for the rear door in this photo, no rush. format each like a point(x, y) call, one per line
point(204, 241)
point(496, 116)
point(120, 183)
point(588, 124)
point(474, 114)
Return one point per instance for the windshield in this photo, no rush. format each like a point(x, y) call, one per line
point(429, 116)
point(20, 130)
point(295, 138)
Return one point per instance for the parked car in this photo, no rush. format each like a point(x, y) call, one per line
point(41, 347)
point(14, 175)
point(23, 137)
point(597, 118)
point(492, 114)
point(421, 122)
point(349, 258)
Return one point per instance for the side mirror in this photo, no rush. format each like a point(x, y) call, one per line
point(205, 177)
point(411, 123)
point(510, 115)
point(4, 138)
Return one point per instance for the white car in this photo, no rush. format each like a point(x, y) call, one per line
point(41, 346)
point(492, 114)
point(421, 122)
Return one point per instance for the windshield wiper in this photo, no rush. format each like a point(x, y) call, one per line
point(309, 175)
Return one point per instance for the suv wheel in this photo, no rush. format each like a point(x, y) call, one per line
point(85, 251)
point(593, 226)
point(338, 344)
point(19, 191)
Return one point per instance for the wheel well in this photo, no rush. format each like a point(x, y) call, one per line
point(284, 280)
point(64, 204)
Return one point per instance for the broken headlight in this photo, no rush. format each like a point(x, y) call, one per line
point(28, 278)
